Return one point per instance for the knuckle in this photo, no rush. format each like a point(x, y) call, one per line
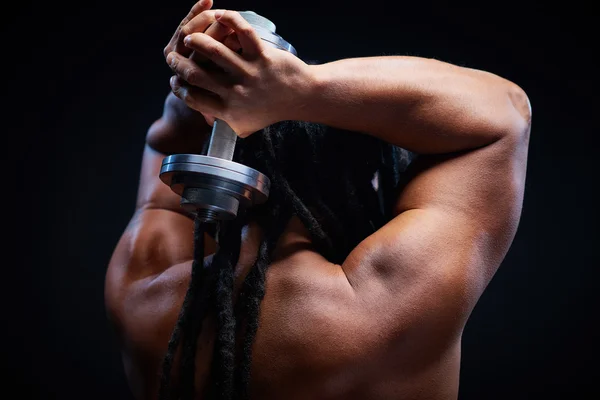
point(235, 15)
point(192, 76)
point(214, 49)
point(200, 23)
point(238, 90)
point(246, 30)
point(186, 20)
point(206, 17)
point(188, 74)
point(252, 77)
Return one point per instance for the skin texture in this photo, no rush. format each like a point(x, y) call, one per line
point(387, 322)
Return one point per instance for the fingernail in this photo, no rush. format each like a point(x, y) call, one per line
point(171, 59)
point(187, 39)
point(173, 81)
point(219, 14)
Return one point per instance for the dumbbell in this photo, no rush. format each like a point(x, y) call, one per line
point(213, 187)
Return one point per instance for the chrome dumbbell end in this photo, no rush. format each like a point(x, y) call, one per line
point(212, 188)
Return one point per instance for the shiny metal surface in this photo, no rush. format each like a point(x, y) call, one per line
point(213, 187)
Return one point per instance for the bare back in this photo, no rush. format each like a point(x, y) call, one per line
point(385, 324)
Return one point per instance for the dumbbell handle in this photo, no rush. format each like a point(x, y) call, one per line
point(222, 141)
point(223, 138)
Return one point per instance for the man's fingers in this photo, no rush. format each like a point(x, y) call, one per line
point(200, 23)
point(216, 52)
point(251, 43)
point(196, 98)
point(176, 44)
point(195, 75)
point(217, 31)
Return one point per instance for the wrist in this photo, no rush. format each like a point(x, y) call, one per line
point(306, 90)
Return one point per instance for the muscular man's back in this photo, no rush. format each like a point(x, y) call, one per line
point(385, 324)
point(316, 339)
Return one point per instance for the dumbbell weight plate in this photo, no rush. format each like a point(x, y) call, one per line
point(212, 187)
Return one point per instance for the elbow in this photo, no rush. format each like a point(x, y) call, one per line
point(157, 136)
point(494, 109)
point(178, 130)
point(503, 112)
point(161, 130)
point(516, 122)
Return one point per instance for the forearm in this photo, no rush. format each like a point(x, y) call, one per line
point(423, 105)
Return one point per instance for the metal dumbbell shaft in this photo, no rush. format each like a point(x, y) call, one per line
point(222, 141)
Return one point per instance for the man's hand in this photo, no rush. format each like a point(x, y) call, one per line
point(253, 87)
point(181, 128)
point(199, 19)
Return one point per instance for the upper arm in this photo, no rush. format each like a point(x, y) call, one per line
point(149, 273)
point(455, 220)
point(154, 252)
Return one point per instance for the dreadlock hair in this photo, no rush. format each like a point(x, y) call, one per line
point(322, 175)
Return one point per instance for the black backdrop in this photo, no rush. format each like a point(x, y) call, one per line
point(84, 82)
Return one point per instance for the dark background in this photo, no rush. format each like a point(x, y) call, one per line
point(85, 81)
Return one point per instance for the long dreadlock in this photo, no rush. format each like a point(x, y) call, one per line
point(321, 175)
